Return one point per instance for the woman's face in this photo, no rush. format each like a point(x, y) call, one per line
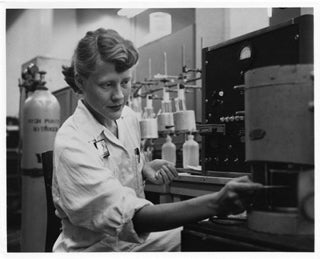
point(106, 91)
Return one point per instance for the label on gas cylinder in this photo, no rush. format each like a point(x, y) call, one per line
point(44, 125)
point(39, 131)
point(38, 137)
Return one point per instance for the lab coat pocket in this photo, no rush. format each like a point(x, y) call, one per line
point(109, 163)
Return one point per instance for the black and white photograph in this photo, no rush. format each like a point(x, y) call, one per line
point(160, 127)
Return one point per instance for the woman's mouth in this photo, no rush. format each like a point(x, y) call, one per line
point(115, 108)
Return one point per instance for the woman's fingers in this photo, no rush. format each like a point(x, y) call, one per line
point(172, 169)
point(169, 173)
point(164, 176)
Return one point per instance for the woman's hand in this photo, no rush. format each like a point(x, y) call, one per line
point(236, 196)
point(159, 171)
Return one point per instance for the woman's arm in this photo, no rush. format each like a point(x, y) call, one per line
point(233, 198)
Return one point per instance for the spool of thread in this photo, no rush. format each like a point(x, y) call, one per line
point(149, 128)
point(165, 122)
point(184, 120)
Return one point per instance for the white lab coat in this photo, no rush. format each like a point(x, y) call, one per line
point(97, 187)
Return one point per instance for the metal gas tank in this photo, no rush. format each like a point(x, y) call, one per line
point(41, 121)
point(279, 117)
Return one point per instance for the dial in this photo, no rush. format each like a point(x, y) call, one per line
point(245, 53)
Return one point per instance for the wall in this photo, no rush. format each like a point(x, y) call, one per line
point(91, 19)
point(31, 34)
point(49, 33)
point(244, 20)
point(55, 32)
point(181, 18)
point(280, 15)
point(19, 49)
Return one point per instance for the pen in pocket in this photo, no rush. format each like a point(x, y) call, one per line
point(137, 153)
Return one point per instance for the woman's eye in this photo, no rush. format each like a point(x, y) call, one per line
point(107, 84)
point(124, 83)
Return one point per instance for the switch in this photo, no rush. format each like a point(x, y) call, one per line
point(216, 160)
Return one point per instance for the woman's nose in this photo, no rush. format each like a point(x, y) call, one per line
point(117, 93)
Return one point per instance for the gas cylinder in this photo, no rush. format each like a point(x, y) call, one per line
point(41, 120)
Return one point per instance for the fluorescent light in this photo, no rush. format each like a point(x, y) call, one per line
point(130, 12)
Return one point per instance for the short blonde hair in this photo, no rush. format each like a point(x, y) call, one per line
point(100, 45)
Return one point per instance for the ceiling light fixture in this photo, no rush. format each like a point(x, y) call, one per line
point(130, 12)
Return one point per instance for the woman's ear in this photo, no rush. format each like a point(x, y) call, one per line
point(79, 82)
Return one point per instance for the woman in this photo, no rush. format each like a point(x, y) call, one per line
point(99, 169)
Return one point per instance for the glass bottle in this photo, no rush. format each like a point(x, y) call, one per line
point(168, 150)
point(190, 152)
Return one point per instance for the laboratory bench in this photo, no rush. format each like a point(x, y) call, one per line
point(229, 236)
point(188, 184)
point(184, 186)
point(221, 234)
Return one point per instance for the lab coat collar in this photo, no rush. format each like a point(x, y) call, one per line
point(96, 130)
